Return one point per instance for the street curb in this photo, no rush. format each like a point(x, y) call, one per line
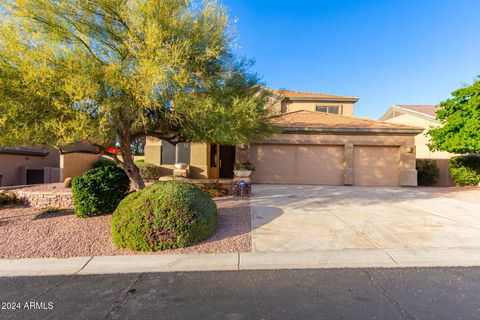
point(353, 258)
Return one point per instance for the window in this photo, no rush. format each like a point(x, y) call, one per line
point(172, 154)
point(168, 153)
point(328, 109)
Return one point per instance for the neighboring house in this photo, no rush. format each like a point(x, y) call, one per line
point(321, 144)
point(27, 165)
point(421, 116)
point(21, 165)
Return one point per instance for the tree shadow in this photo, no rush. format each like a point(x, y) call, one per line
point(47, 214)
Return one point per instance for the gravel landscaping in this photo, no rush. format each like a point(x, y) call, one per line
point(468, 193)
point(26, 232)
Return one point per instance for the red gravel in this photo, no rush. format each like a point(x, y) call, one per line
point(48, 187)
point(25, 232)
point(462, 193)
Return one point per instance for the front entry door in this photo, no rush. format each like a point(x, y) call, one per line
point(221, 160)
point(227, 160)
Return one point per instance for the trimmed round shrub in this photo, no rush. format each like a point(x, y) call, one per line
point(165, 215)
point(427, 172)
point(99, 191)
point(465, 170)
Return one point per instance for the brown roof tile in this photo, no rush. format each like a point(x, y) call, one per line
point(426, 109)
point(298, 94)
point(320, 120)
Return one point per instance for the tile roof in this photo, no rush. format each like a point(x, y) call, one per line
point(425, 109)
point(298, 95)
point(319, 120)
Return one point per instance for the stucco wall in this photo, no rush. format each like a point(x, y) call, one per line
point(421, 140)
point(12, 166)
point(198, 158)
point(75, 164)
point(346, 108)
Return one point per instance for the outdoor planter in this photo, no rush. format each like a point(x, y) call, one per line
point(242, 173)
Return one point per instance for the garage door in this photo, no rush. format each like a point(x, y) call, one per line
point(298, 164)
point(376, 166)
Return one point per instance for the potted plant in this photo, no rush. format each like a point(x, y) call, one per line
point(243, 169)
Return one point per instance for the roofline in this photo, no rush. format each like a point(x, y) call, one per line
point(32, 153)
point(353, 130)
point(331, 99)
point(409, 111)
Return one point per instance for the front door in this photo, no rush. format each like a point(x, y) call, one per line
point(227, 160)
point(221, 159)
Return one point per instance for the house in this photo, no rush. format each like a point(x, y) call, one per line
point(25, 165)
point(30, 165)
point(422, 116)
point(321, 143)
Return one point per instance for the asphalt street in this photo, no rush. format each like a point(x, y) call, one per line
point(407, 293)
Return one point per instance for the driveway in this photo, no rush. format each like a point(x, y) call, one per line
point(288, 218)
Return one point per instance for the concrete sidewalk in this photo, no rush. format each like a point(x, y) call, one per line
point(353, 258)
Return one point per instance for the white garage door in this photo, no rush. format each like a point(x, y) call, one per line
point(298, 164)
point(376, 166)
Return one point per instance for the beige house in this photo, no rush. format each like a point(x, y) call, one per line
point(26, 165)
point(421, 116)
point(321, 143)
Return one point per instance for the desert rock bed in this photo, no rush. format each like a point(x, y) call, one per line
point(26, 232)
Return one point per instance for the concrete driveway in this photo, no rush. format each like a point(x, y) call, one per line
point(287, 218)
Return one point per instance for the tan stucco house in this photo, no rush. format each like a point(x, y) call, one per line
point(29, 165)
point(321, 143)
point(421, 116)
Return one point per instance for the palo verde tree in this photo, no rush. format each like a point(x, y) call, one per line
point(460, 118)
point(110, 72)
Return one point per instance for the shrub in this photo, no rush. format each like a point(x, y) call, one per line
point(102, 162)
point(99, 190)
point(165, 215)
point(214, 190)
point(428, 173)
point(8, 198)
point(149, 172)
point(465, 170)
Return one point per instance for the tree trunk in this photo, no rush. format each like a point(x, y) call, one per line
point(128, 164)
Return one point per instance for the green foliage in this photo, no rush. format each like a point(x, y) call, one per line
point(165, 215)
point(465, 170)
point(149, 172)
point(102, 162)
point(460, 118)
point(99, 191)
point(108, 71)
point(247, 165)
point(7, 198)
point(428, 172)
point(214, 190)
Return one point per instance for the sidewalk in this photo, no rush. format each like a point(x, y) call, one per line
point(366, 258)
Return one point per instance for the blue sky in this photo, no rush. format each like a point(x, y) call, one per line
point(383, 51)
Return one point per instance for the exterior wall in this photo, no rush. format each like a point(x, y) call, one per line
point(198, 158)
point(421, 143)
point(421, 140)
point(13, 166)
point(75, 164)
point(346, 108)
point(405, 144)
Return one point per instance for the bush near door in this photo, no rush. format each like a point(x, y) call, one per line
point(427, 172)
point(149, 172)
point(465, 170)
point(99, 190)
